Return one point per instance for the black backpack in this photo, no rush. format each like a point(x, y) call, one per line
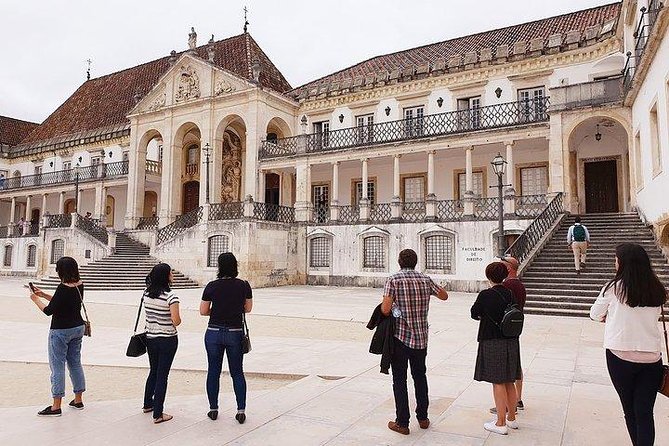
point(512, 321)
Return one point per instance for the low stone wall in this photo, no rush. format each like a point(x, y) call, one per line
point(80, 246)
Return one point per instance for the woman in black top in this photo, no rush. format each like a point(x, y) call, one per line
point(67, 331)
point(498, 358)
point(225, 300)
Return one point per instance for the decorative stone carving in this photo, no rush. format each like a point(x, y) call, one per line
point(502, 52)
point(454, 61)
point(591, 32)
point(486, 54)
point(223, 86)
point(536, 44)
point(519, 48)
point(573, 37)
point(158, 102)
point(471, 58)
point(188, 85)
point(231, 172)
point(555, 40)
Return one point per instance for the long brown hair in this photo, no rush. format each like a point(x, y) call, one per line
point(635, 282)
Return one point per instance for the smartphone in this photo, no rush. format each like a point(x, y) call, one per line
point(32, 287)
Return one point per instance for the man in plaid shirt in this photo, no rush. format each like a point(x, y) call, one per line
point(407, 296)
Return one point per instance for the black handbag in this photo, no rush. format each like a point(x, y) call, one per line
point(137, 344)
point(246, 339)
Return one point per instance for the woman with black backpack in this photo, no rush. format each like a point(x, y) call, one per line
point(498, 358)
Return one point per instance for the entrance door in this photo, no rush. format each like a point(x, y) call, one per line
point(110, 207)
point(601, 187)
point(272, 188)
point(34, 216)
point(191, 196)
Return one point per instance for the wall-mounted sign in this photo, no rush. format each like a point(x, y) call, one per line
point(473, 253)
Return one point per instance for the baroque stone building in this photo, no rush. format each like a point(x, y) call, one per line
point(211, 149)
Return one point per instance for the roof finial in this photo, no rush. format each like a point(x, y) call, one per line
point(246, 21)
point(88, 71)
point(192, 39)
point(211, 40)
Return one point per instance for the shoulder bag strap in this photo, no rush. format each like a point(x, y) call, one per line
point(81, 298)
point(139, 313)
point(246, 327)
point(666, 339)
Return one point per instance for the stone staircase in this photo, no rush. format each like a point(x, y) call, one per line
point(126, 269)
point(553, 288)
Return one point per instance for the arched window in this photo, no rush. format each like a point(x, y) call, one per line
point(57, 250)
point(319, 252)
point(217, 245)
point(7, 259)
point(32, 256)
point(193, 154)
point(439, 253)
point(373, 252)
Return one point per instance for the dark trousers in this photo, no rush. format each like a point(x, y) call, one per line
point(217, 342)
point(161, 353)
point(637, 386)
point(403, 357)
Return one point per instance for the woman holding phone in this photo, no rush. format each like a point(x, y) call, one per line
point(65, 335)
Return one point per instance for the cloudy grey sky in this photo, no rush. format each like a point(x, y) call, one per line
point(45, 43)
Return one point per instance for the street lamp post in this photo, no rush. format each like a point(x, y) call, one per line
point(76, 188)
point(207, 152)
point(498, 167)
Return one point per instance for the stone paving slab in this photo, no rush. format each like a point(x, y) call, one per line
point(569, 397)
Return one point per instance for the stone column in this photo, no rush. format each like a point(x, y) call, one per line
point(136, 181)
point(510, 190)
point(396, 203)
point(558, 158)
point(170, 180)
point(431, 199)
point(98, 210)
point(207, 137)
point(80, 193)
point(261, 185)
point(44, 220)
point(26, 227)
point(364, 201)
point(469, 183)
point(302, 190)
point(61, 203)
point(334, 194)
point(12, 217)
point(252, 141)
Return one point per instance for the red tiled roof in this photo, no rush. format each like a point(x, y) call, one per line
point(13, 131)
point(422, 55)
point(105, 102)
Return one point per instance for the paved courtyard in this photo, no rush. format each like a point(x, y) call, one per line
point(311, 379)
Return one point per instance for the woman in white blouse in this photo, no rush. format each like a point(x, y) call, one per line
point(631, 305)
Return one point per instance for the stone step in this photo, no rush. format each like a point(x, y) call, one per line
point(559, 298)
point(564, 291)
point(562, 305)
point(556, 312)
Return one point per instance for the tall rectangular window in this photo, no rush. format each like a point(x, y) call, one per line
point(413, 189)
point(413, 121)
point(655, 151)
point(439, 253)
point(32, 256)
point(373, 252)
point(322, 131)
point(638, 162)
point(217, 245)
point(469, 113)
point(534, 180)
point(531, 103)
point(477, 184)
point(365, 128)
point(7, 260)
point(319, 252)
point(67, 165)
point(57, 250)
point(371, 192)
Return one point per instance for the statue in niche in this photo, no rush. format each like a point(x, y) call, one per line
point(189, 85)
point(231, 172)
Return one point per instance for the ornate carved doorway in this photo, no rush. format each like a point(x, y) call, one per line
point(191, 196)
point(231, 172)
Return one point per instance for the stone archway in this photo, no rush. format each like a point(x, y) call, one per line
point(598, 165)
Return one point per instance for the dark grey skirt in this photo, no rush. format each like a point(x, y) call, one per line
point(498, 361)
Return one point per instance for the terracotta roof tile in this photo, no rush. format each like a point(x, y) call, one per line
point(105, 101)
point(422, 55)
point(13, 131)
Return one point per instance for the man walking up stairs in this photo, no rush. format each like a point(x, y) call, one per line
point(578, 238)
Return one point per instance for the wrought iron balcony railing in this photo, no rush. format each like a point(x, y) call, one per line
point(59, 221)
point(641, 34)
point(93, 228)
point(147, 223)
point(226, 211)
point(85, 174)
point(460, 121)
point(273, 212)
point(180, 225)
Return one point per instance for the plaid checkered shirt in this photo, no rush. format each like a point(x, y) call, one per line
point(411, 291)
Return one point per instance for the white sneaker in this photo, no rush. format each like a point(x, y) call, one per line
point(494, 428)
point(512, 424)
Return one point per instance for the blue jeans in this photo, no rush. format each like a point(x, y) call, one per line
point(161, 351)
point(65, 347)
point(218, 340)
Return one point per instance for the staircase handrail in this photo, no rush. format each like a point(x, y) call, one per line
point(527, 241)
point(93, 228)
point(179, 225)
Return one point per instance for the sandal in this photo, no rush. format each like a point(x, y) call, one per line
point(163, 418)
point(147, 409)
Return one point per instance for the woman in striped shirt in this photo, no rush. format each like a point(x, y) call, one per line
point(162, 317)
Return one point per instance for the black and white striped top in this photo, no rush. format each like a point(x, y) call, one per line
point(158, 317)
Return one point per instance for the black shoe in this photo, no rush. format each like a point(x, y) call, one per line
point(520, 405)
point(78, 406)
point(48, 412)
point(212, 414)
point(240, 417)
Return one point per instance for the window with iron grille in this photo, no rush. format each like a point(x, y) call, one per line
point(319, 252)
point(371, 191)
point(217, 245)
point(373, 254)
point(32, 256)
point(439, 253)
point(7, 260)
point(57, 250)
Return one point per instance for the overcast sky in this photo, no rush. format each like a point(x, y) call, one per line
point(45, 43)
